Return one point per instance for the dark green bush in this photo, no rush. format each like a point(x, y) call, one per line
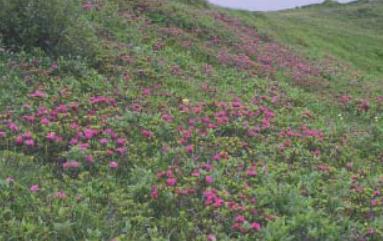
point(59, 27)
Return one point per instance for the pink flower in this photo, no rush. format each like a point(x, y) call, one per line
point(218, 202)
point(61, 109)
point(154, 192)
point(211, 198)
point(44, 121)
point(147, 134)
point(51, 136)
point(209, 179)
point(103, 141)
point(73, 141)
point(27, 135)
point(74, 125)
point(167, 118)
point(38, 94)
point(89, 159)
point(29, 118)
point(35, 188)
point(13, 127)
point(113, 165)
point(146, 92)
point(171, 182)
point(71, 165)
point(101, 99)
point(136, 107)
point(29, 142)
point(376, 193)
point(189, 149)
point(252, 171)
point(19, 140)
point(239, 219)
point(236, 104)
point(256, 226)
point(364, 105)
point(83, 146)
point(121, 150)
point(217, 157)
point(120, 142)
point(196, 173)
point(220, 155)
point(211, 237)
point(237, 226)
point(89, 133)
point(54, 66)
point(2, 134)
point(87, 6)
point(60, 195)
point(345, 99)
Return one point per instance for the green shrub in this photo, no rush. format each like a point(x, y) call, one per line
point(59, 27)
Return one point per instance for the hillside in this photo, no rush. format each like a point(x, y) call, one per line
point(178, 120)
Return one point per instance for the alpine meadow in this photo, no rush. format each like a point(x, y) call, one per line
point(178, 120)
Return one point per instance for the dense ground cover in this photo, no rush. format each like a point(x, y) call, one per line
point(192, 122)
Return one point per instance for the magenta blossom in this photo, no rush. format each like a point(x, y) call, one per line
point(211, 237)
point(13, 127)
point(171, 182)
point(256, 226)
point(89, 133)
point(35, 188)
point(38, 94)
point(29, 142)
point(71, 165)
point(103, 141)
point(44, 121)
point(167, 118)
point(113, 165)
point(147, 134)
point(89, 159)
point(120, 142)
point(345, 99)
point(239, 219)
point(52, 136)
point(19, 140)
point(209, 179)
point(364, 105)
point(87, 6)
point(189, 149)
point(154, 192)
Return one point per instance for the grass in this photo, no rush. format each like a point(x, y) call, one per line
point(350, 33)
point(197, 123)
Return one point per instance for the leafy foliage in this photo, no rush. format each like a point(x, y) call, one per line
point(196, 126)
point(58, 27)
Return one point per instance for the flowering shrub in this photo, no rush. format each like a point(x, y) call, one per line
point(174, 141)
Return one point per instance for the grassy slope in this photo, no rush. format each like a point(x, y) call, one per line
point(352, 33)
point(164, 46)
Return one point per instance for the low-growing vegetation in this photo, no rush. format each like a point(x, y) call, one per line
point(177, 120)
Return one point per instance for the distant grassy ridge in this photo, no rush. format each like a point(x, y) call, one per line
point(352, 32)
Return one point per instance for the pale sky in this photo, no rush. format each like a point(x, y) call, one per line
point(266, 5)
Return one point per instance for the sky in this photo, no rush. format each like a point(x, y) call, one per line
point(267, 5)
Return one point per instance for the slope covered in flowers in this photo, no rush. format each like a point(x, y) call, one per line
point(193, 126)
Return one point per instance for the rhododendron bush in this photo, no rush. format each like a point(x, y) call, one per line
point(190, 130)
